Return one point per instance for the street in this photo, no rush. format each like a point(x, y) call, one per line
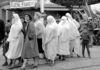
point(69, 64)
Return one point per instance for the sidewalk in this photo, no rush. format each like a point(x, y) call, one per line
point(70, 63)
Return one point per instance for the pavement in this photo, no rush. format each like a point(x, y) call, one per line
point(70, 63)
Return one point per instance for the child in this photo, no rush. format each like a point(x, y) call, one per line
point(85, 41)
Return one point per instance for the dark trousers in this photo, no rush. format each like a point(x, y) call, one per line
point(85, 44)
point(40, 45)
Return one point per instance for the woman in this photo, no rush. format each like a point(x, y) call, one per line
point(30, 49)
point(51, 39)
point(64, 38)
point(75, 35)
point(15, 39)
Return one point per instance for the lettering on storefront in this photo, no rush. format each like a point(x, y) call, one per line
point(23, 4)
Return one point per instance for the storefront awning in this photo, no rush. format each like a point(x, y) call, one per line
point(54, 7)
point(16, 4)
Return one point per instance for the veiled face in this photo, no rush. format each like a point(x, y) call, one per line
point(50, 19)
point(63, 19)
point(68, 15)
point(15, 17)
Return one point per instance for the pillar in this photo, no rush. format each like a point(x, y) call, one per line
point(42, 6)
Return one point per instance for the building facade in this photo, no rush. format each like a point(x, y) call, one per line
point(28, 7)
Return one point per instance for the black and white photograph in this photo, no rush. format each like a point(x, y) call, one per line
point(49, 34)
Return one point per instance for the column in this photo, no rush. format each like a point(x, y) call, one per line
point(42, 6)
point(6, 15)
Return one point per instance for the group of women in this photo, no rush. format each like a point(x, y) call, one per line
point(29, 38)
point(61, 38)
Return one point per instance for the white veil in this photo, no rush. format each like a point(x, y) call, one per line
point(15, 28)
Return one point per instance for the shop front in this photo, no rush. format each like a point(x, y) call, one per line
point(4, 13)
point(29, 7)
point(24, 7)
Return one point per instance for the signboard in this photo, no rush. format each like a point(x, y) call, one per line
point(23, 4)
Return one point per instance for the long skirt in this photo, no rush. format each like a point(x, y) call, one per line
point(51, 49)
point(30, 49)
point(76, 45)
point(63, 48)
point(15, 48)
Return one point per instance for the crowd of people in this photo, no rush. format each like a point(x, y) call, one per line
point(44, 38)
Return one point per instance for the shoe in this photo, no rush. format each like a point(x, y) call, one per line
point(51, 63)
point(78, 56)
point(22, 68)
point(20, 64)
point(83, 56)
point(63, 58)
point(12, 67)
point(35, 66)
point(90, 57)
point(10, 64)
point(5, 64)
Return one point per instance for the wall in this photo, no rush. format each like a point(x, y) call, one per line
point(0, 13)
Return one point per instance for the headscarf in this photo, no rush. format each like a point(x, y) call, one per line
point(51, 29)
point(63, 20)
point(73, 25)
point(68, 15)
point(16, 19)
point(73, 21)
point(51, 20)
point(64, 29)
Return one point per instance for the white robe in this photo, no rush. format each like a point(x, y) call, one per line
point(64, 39)
point(15, 40)
point(75, 42)
point(51, 41)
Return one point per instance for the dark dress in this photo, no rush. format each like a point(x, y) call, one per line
point(30, 49)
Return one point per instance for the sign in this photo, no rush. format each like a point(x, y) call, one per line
point(23, 4)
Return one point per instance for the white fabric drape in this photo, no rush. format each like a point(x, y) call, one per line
point(51, 38)
point(15, 38)
point(64, 37)
point(75, 42)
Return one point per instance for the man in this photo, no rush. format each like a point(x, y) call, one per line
point(39, 25)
